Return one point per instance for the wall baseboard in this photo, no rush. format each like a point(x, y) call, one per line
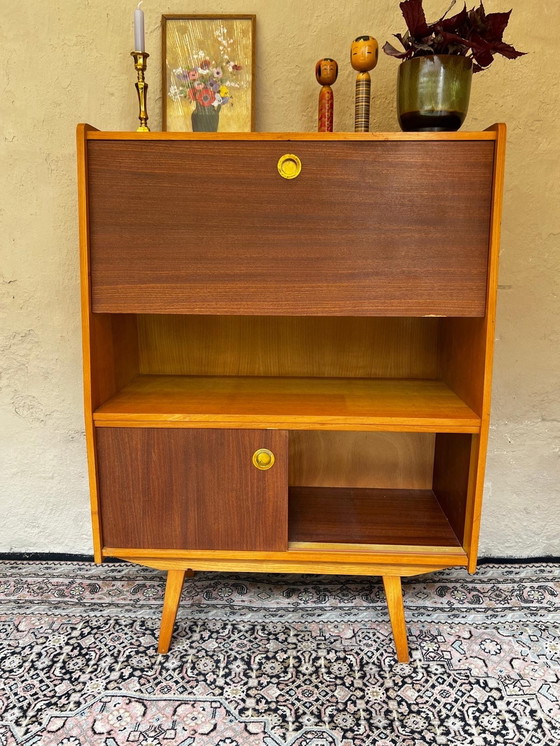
point(49, 557)
point(549, 558)
point(61, 557)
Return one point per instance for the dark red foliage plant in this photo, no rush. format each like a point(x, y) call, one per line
point(470, 33)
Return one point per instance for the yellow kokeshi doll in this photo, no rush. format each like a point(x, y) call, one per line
point(363, 57)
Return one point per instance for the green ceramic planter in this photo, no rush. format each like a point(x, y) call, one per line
point(433, 93)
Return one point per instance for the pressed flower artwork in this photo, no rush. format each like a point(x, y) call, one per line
point(208, 73)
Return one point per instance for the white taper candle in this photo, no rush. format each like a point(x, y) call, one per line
point(139, 43)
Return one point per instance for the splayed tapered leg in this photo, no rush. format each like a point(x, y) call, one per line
point(173, 588)
point(393, 593)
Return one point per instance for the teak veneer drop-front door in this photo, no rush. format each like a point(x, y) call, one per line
point(303, 385)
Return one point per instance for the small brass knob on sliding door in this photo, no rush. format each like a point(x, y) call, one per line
point(263, 459)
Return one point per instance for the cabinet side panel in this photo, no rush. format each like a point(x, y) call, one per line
point(365, 229)
point(474, 507)
point(113, 344)
point(466, 353)
point(192, 489)
point(125, 348)
point(463, 353)
point(451, 478)
point(92, 334)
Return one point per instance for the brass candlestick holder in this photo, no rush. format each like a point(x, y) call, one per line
point(142, 89)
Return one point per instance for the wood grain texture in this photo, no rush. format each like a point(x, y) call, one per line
point(333, 241)
point(410, 558)
point(395, 606)
point(125, 348)
point(474, 505)
point(368, 516)
point(462, 355)
point(92, 398)
point(452, 465)
point(370, 137)
point(466, 354)
point(325, 567)
point(173, 588)
point(361, 459)
point(474, 498)
point(297, 403)
point(109, 364)
point(302, 551)
point(191, 489)
point(369, 228)
point(113, 355)
point(331, 548)
point(101, 363)
point(288, 346)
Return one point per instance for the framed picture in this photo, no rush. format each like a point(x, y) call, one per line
point(207, 75)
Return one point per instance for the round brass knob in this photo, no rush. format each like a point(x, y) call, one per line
point(263, 459)
point(289, 166)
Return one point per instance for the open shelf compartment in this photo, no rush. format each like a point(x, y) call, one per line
point(327, 515)
point(383, 373)
point(294, 403)
point(373, 490)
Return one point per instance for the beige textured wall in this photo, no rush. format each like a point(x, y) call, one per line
point(66, 61)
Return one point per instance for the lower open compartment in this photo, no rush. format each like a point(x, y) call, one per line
point(341, 515)
point(397, 489)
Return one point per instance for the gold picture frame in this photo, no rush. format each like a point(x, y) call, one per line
point(208, 77)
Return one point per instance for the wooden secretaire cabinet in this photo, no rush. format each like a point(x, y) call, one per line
point(288, 374)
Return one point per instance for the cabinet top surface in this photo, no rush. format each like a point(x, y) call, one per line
point(490, 134)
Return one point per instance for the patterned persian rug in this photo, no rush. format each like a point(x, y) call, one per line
point(277, 660)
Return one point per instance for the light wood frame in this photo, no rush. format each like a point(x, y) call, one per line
point(112, 360)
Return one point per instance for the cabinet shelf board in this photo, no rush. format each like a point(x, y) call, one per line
point(291, 136)
point(324, 515)
point(289, 403)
